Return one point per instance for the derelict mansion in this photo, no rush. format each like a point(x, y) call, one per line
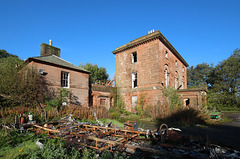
point(144, 66)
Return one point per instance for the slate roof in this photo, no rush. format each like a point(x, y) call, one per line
point(157, 34)
point(57, 61)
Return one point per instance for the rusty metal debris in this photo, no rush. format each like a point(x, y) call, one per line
point(167, 142)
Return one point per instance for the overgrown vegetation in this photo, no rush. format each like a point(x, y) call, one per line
point(23, 145)
point(223, 82)
point(20, 85)
point(119, 106)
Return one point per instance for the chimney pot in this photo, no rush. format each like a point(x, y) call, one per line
point(50, 42)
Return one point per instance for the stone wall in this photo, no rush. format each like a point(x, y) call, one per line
point(195, 97)
point(150, 68)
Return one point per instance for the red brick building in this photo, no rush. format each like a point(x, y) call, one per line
point(60, 73)
point(102, 96)
point(145, 66)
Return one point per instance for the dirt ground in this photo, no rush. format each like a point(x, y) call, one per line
point(225, 134)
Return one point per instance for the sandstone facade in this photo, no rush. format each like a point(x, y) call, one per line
point(145, 66)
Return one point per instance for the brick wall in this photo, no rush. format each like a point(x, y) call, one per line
point(78, 82)
point(150, 66)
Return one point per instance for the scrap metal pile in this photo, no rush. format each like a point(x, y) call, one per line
point(164, 141)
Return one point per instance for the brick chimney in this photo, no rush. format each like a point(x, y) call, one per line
point(49, 49)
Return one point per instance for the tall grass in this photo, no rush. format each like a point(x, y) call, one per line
point(8, 115)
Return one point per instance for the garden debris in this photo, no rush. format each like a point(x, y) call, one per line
point(39, 144)
point(167, 142)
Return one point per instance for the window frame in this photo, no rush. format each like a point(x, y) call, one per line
point(65, 80)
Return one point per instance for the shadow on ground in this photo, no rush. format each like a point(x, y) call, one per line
point(222, 135)
point(227, 134)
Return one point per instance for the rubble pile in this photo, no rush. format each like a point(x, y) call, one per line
point(162, 142)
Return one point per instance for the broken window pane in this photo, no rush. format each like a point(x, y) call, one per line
point(134, 57)
point(134, 80)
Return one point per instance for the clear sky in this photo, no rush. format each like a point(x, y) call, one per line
point(89, 30)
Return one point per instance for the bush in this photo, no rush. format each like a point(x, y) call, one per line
point(185, 116)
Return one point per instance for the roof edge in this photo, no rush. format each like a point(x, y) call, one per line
point(157, 34)
point(33, 59)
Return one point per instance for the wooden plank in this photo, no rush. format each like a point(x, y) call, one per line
point(116, 129)
point(47, 129)
point(146, 149)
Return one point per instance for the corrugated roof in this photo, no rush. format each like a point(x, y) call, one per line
point(52, 59)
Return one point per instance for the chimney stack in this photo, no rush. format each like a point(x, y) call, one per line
point(47, 50)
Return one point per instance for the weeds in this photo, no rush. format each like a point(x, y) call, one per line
point(184, 116)
point(15, 145)
point(8, 115)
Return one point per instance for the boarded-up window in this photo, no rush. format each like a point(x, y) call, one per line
point(134, 102)
point(103, 102)
point(166, 75)
point(176, 82)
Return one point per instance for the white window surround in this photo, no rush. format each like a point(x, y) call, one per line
point(65, 76)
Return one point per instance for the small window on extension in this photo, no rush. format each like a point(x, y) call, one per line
point(134, 57)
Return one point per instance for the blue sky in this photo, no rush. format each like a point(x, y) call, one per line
point(88, 31)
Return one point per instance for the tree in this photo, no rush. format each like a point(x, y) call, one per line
point(4, 54)
point(224, 82)
point(198, 76)
point(19, 85)
point(97, 74)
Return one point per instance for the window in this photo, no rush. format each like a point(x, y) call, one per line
point(65, 79)
point(134, 57)
point(166, 75)
point(176, 80)
point(103, 102)
point(166, 54)
point(176, 63)
point(183, 82)
point(134, 80)
point(134, 102)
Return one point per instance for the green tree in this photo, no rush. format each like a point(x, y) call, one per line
point(198, 76)
point(4, 54)
point(173, 98)
point(224, 82)
point(97, 74)
point(19, 85)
